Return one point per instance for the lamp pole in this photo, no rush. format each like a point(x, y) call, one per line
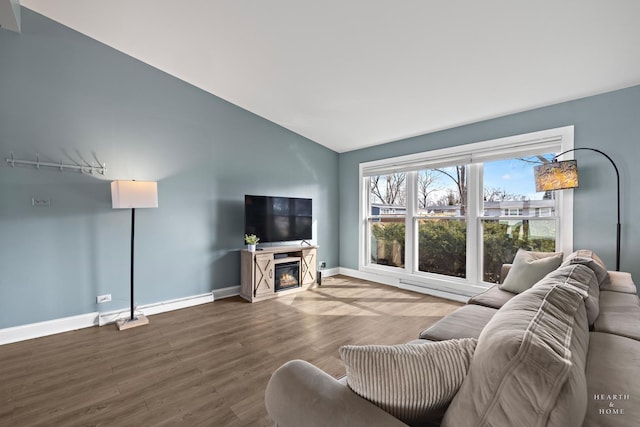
point(133, 232)
point(618, 227)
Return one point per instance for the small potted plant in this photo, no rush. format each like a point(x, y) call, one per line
point(251, 240)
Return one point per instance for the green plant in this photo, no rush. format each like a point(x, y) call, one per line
point(251, 239)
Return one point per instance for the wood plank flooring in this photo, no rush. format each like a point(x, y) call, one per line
point(202, 366)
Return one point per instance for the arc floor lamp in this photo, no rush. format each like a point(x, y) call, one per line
point(562, 175)
point(133, 195)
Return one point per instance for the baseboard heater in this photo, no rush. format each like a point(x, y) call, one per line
point(445, 293)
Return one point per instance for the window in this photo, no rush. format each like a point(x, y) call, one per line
point(448, 219)
point(386, 219)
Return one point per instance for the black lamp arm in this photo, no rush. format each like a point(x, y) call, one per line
point(618, 184)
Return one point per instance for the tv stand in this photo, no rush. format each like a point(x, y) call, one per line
point(258, 271)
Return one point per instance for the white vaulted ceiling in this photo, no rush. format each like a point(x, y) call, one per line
point(355, 73)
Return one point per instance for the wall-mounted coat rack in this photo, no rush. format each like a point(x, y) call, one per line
point(89, 169)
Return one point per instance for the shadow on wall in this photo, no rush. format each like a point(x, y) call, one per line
point(51, 193)
point(227, 228)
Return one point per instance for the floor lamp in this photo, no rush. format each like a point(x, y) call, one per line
point(561, 175)
point(133, 195)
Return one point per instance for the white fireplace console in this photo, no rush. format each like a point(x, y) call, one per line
point(258, 271)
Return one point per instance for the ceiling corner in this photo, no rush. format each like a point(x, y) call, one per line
point(10, 15)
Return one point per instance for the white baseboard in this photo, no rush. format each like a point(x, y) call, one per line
point(156, 308)
point(328, 272)
point(49, 327)
point(398, 283)
point(377, 278)
point(72, 323)
point(231, 291)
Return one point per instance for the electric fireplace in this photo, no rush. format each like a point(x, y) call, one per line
point(287, 275)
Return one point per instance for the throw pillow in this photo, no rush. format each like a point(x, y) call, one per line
point(413, 382)
point(529, 268)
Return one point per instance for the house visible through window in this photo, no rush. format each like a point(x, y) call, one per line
point(448, 219)
point(513, 212)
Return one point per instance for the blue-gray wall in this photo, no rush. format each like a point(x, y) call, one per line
point(608, 122)
point(68, 97)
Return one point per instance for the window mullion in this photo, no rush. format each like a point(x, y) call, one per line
point(411, 239)
point(363, 229)
point(474, 206)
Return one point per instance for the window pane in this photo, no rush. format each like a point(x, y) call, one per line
point(509, 189)
point(387, 241)
point(442, 191)
point(442, 246)
point(388, 203)
point(503, 238)
point(442, 227)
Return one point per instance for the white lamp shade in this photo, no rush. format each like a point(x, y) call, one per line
point(134, 194)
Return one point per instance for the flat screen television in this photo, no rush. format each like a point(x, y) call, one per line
point(278, 219)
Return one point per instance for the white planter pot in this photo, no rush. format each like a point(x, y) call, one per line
point(251, 248)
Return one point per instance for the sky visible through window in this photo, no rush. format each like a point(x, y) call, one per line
point(515, 176)
point(511, 178)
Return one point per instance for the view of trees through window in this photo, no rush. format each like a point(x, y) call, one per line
point(511, 216)
point(388, 198)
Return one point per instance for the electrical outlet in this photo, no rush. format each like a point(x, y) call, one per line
point(40, 202)
point(323, 264)
point(103, 298)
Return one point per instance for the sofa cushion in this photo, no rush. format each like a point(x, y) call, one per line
point(619, 314)
point(529, 268)
point(612, 381)
point(591, 260)
point(529, 365)
point(619, 281)
point(493, 297)
point(465, 322)
point(584, 279)
point(413, 382)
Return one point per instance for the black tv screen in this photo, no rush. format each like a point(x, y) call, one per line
point(278, 219)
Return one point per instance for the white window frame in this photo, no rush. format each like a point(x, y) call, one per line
point(551, 140)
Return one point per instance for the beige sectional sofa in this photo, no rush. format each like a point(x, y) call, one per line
point(564, 352)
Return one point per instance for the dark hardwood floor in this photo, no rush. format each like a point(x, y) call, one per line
point(202, 366)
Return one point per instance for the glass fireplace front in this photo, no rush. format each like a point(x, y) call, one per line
point(287, 275)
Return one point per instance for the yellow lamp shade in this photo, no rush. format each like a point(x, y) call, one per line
point(556, 175)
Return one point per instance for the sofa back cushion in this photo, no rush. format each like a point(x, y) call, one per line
point(591, 260)
point(529, 365)
point(584, 278)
